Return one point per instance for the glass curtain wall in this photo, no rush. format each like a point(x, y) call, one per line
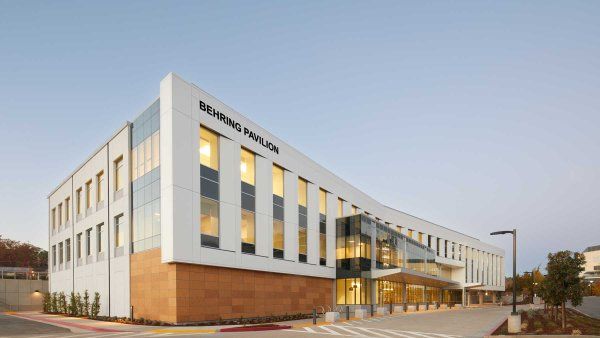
point(145, 175)
point(248, 202)
point(302, 220)
point(389, 292)
point(415, 293)
point(322, 227)
point(432, 294)
point(278, 205)
point(351, 291)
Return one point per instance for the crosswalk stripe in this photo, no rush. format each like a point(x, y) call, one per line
point(397, 333)
point(324, 327)
point(431, 334)
point(310, 330)
point(372, 332)
point(348, 330)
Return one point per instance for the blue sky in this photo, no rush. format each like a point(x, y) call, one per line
point(478, 116)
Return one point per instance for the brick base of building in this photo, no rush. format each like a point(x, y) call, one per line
point(180, 293)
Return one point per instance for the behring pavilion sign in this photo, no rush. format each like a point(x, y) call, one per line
point(238, 127)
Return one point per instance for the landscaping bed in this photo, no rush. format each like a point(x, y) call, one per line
point(538, 322)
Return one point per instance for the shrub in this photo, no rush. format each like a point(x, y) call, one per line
point(53, 303)
point(95, 305)
point(86, 304)
point(79, 304)
point(62, 302)
point(72, 305)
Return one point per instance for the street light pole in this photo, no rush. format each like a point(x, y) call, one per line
point(514, 233)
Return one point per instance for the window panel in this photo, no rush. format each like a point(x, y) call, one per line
point(302, 185)
point(248, 227)
point(155, 149)
point(247, 166)
point(322, 202)
point(209, 217)
point(99, 187)
point(119, 174)
point(209, 149)
point(278, 235)
point(340, 208)
point(277, 181)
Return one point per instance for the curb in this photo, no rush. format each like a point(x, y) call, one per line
point(256, 328)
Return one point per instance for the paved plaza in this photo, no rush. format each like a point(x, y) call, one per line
point(470, 322)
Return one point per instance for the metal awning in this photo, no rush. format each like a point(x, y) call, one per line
point(403, 275)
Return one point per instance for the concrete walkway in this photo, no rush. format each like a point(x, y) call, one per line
point(11, 326)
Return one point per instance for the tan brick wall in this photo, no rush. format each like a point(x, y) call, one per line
point(188, 292)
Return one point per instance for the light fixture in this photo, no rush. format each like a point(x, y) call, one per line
point(205, 149)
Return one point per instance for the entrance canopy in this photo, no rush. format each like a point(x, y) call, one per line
point(407, 276)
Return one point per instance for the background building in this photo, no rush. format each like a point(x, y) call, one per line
point(193, 212)
point(592, 263)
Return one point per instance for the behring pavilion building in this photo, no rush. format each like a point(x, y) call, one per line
point(192, 212)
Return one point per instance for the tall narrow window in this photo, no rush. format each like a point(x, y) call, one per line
point(78, 203)
point(248, 201)
point(209, 188)
point(59, 215)
point(99, 237)
point(54, 255)
point(322, 227)
point(78, 246)
point(421, 237)
point(60, 253)
point(354, 210)
point(410, 233)
point(67, 209)
point(119, 174)
point(278, 207)
point(88, 195)
point(68, 249)
point(88, 241)
point(302, 220)
point(119, 231)
point(53, 218)
point(340, 207)
point(99, 189)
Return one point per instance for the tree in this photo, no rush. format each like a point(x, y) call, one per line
point(86, 304)
point(18, 254)
point(562, 283)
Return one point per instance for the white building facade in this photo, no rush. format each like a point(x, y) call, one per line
point(193, 212)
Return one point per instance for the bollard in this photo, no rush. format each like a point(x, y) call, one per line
point(347, 312)
point(391, 308)
point(314, 316)
point(371, 310)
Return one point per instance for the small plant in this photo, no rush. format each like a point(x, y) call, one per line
point(86, 304)
point(72, 304)
point(95, 305)
point(46, 303)
point(62, 302)
point(54, 303)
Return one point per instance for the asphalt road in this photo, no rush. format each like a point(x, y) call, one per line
point(13, 326)
point(590, 306)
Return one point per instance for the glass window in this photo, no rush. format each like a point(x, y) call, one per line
point(59, 216)
point(60, 252)
point(278, 236)
point(119, 231)
point(88, 241)
point(209, 149)
point(148, 153)
point(88, 194)
point(78, 245)
point(247, 166)
point(68, 249)
point(277, 181)
point(340, 208)
point(53, 218)
point(302, 240)
point(247, 227)
point(54, 255)
point(354, 210)
point(323, 201)
point(155, 149)
point(119, 175)
point(67, 208)
point(78, 197)
point(209, 222)
point(302, 185)
point(322, 246)
point(99, 238)
point(99, 189)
